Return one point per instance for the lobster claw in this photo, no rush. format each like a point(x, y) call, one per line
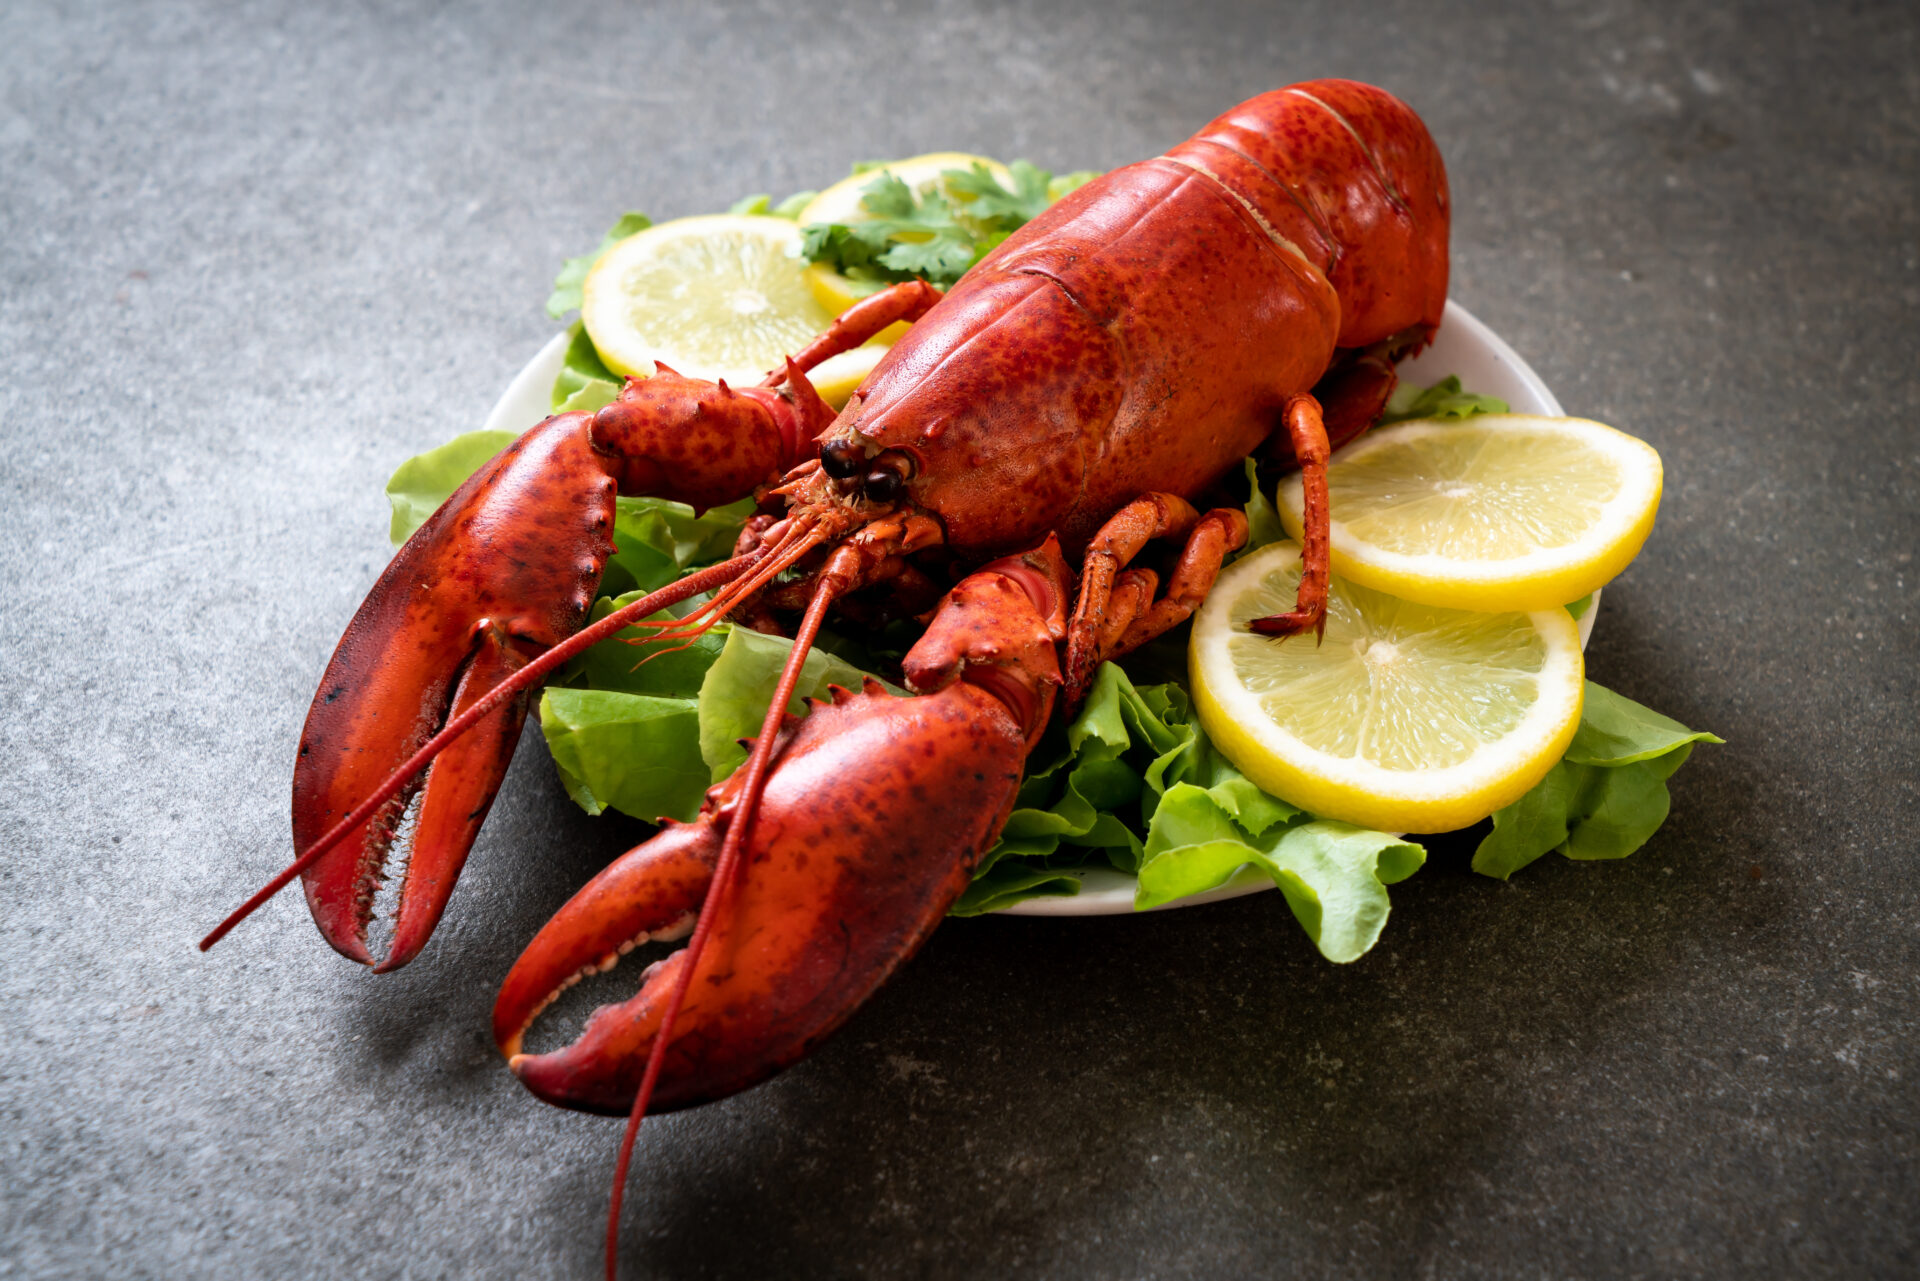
point(869, 829)
point(504, 570)
point(875, 813)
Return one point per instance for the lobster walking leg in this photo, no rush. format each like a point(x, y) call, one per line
point(905, 302)
point(1308, 437)
point(1219, 533)
point(1117, 611)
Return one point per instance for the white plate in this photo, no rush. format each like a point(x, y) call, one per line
point(1464, 346)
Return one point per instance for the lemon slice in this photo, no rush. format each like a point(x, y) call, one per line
point(715, 297)
point(1406, 718)
point(1500, 511)
point(837, 377)
point(841, 203)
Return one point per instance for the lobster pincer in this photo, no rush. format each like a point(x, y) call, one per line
point(504, 571)
point(875, 812)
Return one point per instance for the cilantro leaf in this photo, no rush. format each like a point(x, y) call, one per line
point(937, 236)
point(992, 205)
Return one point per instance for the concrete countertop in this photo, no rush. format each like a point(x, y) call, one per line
point(255, 255)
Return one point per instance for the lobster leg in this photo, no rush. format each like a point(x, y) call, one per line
point(1308, 436)
point(1220, 532)
point(905, 303)
point(1117, 611)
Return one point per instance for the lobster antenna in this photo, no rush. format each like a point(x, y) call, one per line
point(779, 556)
point(531, 674)
point(778, 561)
point(724, 873)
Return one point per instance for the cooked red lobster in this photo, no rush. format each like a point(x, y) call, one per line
point(1065, 404)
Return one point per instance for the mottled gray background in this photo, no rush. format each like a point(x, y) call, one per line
point(255, 254)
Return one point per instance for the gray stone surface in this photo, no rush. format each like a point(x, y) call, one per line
point(255, 254)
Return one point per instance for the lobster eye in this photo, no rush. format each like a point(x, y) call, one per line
point(883, 486)
point(843, 458)
point(888, 479)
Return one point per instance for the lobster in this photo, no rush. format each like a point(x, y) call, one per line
point(1065, 404)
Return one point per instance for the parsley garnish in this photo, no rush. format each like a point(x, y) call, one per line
point(936, 236)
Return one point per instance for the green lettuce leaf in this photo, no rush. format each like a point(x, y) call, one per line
point(627, 664)
point(573, 272)
point(1139, 752)
point(1012, 882)
point(1444, 399)
point(631, 752)
point(584, 381)
point(423, 482)
point(657, 540)
point(1334, 875)
point(1604, 799)
point(738, 686)
point(1263, 521)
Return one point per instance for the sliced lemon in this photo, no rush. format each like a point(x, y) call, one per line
point(841, 203)
point(837, 377)
point(1406, 718)
point(1501, 511)
point(715, 297)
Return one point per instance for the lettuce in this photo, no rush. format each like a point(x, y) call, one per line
point(584, 381)
point(737, 688)
point(1444, 399)
point(573, 272)
point(631, 752)
point(418, 486)
point(1133, 781)
point(1604, 799)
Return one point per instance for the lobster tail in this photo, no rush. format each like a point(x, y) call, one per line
point(1348, 175)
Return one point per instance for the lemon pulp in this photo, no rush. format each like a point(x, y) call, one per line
point(723, 296)
point(1407, 717)
point(1500, 511)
